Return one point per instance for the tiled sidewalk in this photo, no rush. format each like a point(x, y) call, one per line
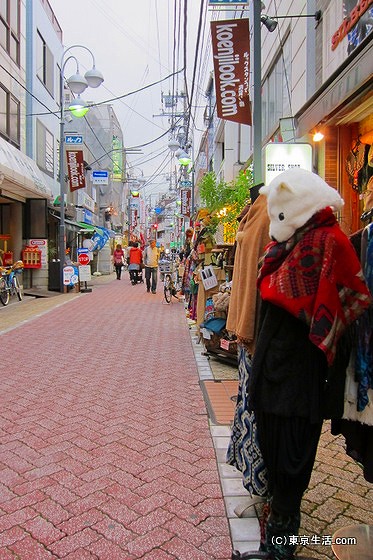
point(244, 531)
point(337, 496)
point(106, 451)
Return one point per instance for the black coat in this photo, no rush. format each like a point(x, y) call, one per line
point(290, 376)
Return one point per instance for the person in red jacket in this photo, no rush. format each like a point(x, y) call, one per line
point(135, 259)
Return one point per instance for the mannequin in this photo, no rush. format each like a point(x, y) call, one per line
point(311, 289)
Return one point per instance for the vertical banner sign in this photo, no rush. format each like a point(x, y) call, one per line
point(117, 159)
point(230, 48)
point(75, 169)
point(186, 195)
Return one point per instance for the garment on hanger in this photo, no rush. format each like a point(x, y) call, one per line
point(357, 423)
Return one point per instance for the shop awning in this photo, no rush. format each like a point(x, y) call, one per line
point(20, 176)
point(92, 228)
point(70, 224)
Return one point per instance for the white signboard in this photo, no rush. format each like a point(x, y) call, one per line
point(83, 199)
point(69, 276)
point(208, 277)
point(85, 273)
point(100, 177)
point(279, 157)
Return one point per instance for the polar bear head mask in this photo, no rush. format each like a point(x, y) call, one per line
point(293, 197)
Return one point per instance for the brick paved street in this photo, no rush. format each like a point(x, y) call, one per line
point(106, 449)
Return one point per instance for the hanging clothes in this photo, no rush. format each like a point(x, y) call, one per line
point(356, 426)
point(243, 450)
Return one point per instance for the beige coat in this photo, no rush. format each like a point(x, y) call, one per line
point(252, 237)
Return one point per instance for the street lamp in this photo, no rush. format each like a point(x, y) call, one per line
point(77, 84)
point(270, 23)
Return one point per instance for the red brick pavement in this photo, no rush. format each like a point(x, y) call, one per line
point(105, 447)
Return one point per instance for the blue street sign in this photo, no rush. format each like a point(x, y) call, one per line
point(100, 177)
point(73, 139)
point(186, 183)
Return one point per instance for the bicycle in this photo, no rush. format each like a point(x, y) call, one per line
point(9, 283)
point(171, 285)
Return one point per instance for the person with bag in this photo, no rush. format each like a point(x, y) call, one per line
point(118, 257)
point(151, 258)
point(135, 259)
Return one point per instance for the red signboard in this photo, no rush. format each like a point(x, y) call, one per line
point(83, 258)
point(231, 52)
point(186, 195)
point(75, 169)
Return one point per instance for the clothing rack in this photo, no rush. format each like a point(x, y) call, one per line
point(367, 215)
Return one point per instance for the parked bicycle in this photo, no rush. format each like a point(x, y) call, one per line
point(171, 284)
point(9, 282)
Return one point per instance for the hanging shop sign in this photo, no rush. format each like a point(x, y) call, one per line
point(280, 157)
point(231, 53)
point(75, 169)
point(186, 195)
point(85, 201)
point(73, 139)
point(117, 159)
point(100, 177)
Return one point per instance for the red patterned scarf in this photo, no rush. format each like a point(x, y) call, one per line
point(316, 276)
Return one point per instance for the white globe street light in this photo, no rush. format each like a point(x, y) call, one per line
point(94, 77)
point(77, 84)
point(173, 144)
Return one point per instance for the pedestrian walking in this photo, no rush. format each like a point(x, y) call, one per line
point(135, 260)
point(118, 257)
point(151, 258)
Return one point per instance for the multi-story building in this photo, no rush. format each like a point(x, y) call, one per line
point(32, 61)
point(316, 76)
point(24, 189)
point(103, 201)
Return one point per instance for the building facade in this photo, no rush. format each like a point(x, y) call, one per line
point(24, 188)
point(32, 63)
point(316, 76)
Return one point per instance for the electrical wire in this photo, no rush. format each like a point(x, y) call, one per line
point(282, 43)
point(107, 100)
point(115, 19)
point(195, 63)
point(30, 93)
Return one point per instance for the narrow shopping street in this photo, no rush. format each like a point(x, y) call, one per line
point(106, 450)
point(113, 432)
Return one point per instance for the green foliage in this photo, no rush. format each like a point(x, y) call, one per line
point(224, 201)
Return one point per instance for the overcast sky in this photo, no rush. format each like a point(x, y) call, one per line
point(132, 42)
